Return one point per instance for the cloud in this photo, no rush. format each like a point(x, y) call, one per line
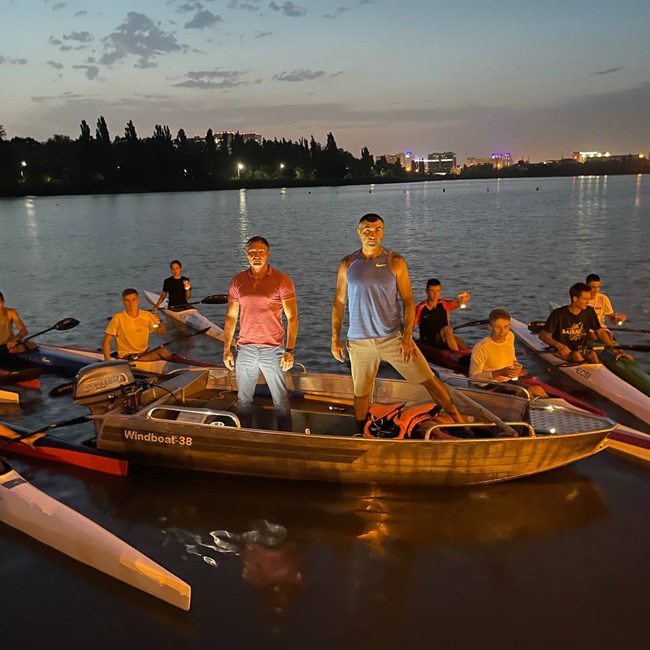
point(91, 71)
point(287, 8)
point(210, 79)
point(82, 37)
point(54, 64)
point(55, 41)
point(188, 7)
point(263, 34)
point(247, 5)
point(67, 96)
point(299, 75)
point(609, 70)
point(338, 12)
point(9, 61)
point(57, 6)
point(138, 36)
point(203, 19)
point(83, 12)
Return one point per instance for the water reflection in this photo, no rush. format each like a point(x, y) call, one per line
point(244, 234)
point(351, 534)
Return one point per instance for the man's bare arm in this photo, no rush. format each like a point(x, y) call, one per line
point(338, 310)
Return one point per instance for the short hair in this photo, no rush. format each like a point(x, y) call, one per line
point(2, 296)
point(176, 262)
point(592, 277)
point(433, 282)
point(495, 314)
point(257, 238)
point(371, 217)
point(128, 292)
point(577, 289)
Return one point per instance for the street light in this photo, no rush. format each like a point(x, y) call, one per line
point(240, 166)
point(281, 165)
point(23, 164)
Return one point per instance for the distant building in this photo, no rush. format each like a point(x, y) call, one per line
point(441, 163)
point(584, 156)
point(392, 158)
point(497, 160)
point(246, 136)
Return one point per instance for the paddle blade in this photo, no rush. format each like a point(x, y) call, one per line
point(65, 324)
point(536, 326)
point(62, 389)
point(216, 299)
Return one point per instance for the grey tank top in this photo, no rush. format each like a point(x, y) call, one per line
point(373, 299)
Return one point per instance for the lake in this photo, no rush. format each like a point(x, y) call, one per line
point(277, 564)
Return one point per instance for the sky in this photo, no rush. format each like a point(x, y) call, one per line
point(537, 79)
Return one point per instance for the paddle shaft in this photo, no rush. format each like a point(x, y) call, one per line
point(135, 357)
point(64, 324)
point(45, 429)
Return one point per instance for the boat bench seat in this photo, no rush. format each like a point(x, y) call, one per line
point(195, 416)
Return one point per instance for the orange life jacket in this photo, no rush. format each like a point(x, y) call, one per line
point(395, 421)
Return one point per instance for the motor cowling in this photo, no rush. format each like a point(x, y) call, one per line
point(103, 382)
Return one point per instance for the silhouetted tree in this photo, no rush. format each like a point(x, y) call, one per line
point(85, 132)
point(101, 132)
point(130, 133)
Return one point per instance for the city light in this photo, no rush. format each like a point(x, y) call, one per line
point(240, 166)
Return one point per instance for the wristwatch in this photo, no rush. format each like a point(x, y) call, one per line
point(290, 351)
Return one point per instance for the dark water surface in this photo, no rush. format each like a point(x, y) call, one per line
point(559, 561)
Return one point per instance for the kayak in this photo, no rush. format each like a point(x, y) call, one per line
point(48, 447)
point(595, 376)
point(26, 378)
point(627, 369)
point(69, 359)
point(459, 363)
point(9, 397)
point(47, 520)
point(191, 317)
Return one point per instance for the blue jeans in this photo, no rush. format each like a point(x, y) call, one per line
point(251, 360)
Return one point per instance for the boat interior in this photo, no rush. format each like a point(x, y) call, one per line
point(322, 405)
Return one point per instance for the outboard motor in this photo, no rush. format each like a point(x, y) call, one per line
point(100, 384)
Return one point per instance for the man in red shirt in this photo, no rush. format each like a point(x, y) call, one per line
point(257, 297)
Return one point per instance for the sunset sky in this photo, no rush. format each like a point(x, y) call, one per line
point(538, 79)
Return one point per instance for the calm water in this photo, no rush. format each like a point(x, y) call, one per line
point(293, 565)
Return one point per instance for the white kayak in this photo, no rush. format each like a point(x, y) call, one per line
point(592, 375)
point(38, 515)
point(191, 317)
point(9, 397)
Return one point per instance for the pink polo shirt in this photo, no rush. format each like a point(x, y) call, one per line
point(260, 306)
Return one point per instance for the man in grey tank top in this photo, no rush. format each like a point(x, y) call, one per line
point(372, 281)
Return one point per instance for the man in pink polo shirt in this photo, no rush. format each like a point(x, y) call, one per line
point(258, 296)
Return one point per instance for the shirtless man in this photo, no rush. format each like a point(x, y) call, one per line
point(131, 328)
point(371, 281)
point(10, 340)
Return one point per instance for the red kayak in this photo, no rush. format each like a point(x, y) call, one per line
point(459, 362)
point(27, 378)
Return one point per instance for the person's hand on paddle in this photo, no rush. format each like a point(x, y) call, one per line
point(407, 348)
point(338, 350)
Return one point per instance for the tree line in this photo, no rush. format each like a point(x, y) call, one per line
point(96, 162)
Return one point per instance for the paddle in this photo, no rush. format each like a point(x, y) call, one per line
point(68, 387)
point(45, 429)
point(61, 326)
point(164, 344)
point(214, 299)
point(629, 329)
point(471, 323)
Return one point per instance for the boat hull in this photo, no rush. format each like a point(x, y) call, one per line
point(174, 430)
point(51, 448)
point(38, 515)
point(191, 317)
